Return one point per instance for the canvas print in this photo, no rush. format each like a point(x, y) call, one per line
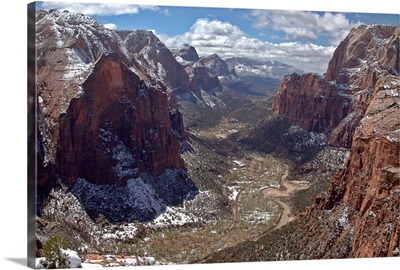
point(164, 135)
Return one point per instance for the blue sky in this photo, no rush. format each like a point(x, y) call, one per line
point(305, 39)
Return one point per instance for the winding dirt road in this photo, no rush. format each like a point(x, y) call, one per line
point(280, 194)
point(253, 169)
point(236, 214)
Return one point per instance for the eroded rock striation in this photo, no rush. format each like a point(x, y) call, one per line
point(157, 60)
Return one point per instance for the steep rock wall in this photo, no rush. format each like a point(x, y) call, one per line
point(117, 129)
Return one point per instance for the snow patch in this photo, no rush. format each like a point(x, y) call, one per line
point(343, 219)
point(78, 66)
point(142, 198)
point(392, 92)
point(258, 216)
point(72, 258)
point(174, 216)
point(125, 162)
point(137, 200)
point(233, 193)
point(211, 101)
point(124, 232)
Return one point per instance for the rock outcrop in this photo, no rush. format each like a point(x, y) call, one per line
point(334, 104)
point(117, 129)
point(200, 79)
point(311, 103)
point(187, 53)
point(157, 60)
point(363, 200)
point(366, 48)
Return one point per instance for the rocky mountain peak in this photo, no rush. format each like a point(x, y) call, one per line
point(81, 34)
point(366, 47)
point(156, 60)
point(216, 66)
point(188, 53)
point(263, 68)
point(363, 57)
point(137, 40)
point(119, 127)
point(105, 112)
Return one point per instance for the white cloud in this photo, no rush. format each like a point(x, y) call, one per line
point(110, 26)
point(304, 24)
point(92, 9)
point(227, 40)
point(105, 9)
point(166, 12)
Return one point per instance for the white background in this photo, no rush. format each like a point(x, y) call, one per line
point(13, 123)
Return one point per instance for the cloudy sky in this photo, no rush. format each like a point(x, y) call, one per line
point(304, 39)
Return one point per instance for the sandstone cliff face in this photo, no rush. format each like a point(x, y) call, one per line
point(200, 79)
point(363, 200)
point(362, 205)
point(65, 57)
point(309, 102)
point(365, 48)
point(117, 129)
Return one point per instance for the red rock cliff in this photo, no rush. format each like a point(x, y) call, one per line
point(336, 103)
point(363, 201)
point(365, 47)
point(80, 116)
point(67, 46)
point(309, 102)
point(359, 216)
point(118, 128)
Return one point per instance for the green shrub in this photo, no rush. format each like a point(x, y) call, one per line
point(51, 251)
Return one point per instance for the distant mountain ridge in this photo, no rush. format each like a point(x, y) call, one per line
point(258, 78)
point(256, 67)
